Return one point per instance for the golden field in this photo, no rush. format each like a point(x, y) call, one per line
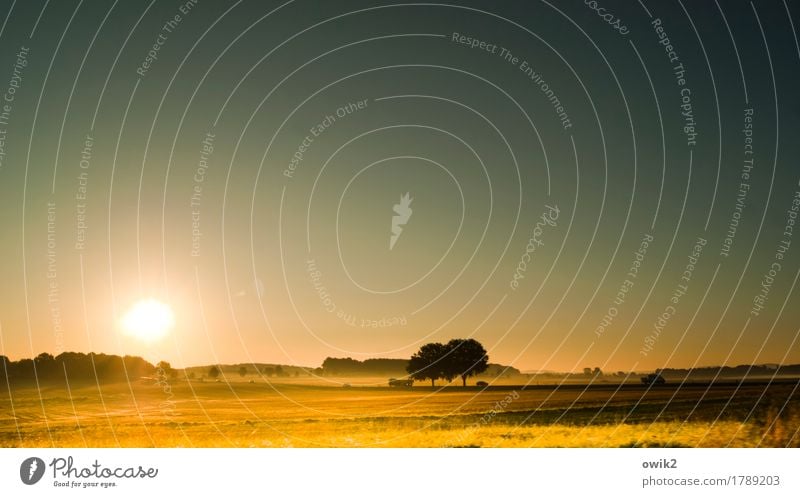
point(287, 413)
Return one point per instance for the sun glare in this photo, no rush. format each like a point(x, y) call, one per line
point(148, 320)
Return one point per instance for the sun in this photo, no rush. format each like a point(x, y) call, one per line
point(148, 320)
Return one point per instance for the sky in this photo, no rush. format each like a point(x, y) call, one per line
point(599, 184)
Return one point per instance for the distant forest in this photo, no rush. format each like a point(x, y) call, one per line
point(333, 366)
point(108, 368)
point(77, 366)
point(733, 371)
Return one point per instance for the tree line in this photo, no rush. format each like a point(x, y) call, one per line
point(75, 366)
point(458, 358)
point(347, 366)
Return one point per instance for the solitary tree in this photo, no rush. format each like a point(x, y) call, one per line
point(269, 371)
point(428, 363)
point(213, 372)
point(465, 357)
point(166, 369)
point(242, 371)
point(278, 370)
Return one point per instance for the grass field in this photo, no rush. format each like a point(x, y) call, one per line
point(261, 414)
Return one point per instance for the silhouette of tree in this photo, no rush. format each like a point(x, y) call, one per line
point(165, 367)
point(279, 370)
point(213, 372)
point(465, 357)
point(428, 363)
point(242, 371)
point(269, 371)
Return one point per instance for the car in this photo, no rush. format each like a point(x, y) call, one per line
point(346, 385)
point(653, 379)
point(394, 382)
point(481, 384)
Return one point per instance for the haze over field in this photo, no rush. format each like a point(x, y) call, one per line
point(76, 400)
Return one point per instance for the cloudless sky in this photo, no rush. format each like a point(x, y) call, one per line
point(541, 145)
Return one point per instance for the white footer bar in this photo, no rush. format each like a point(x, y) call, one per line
point(400, 472)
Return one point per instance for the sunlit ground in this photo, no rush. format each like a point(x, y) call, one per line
point(242, 414)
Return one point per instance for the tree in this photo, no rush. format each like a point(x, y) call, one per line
point(278, 370)
point(587, 371)
point(597, 371)
point(345, 366)
point(428, 363)
point(166, 368)
point(269, 371)
point(44, 357)
point(213, 372)
point(465, 358)
point(46, 366)
point(242, 371)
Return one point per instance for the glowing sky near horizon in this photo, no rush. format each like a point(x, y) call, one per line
point(581, 194)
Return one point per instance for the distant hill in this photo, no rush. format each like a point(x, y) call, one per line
point(499, 370)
